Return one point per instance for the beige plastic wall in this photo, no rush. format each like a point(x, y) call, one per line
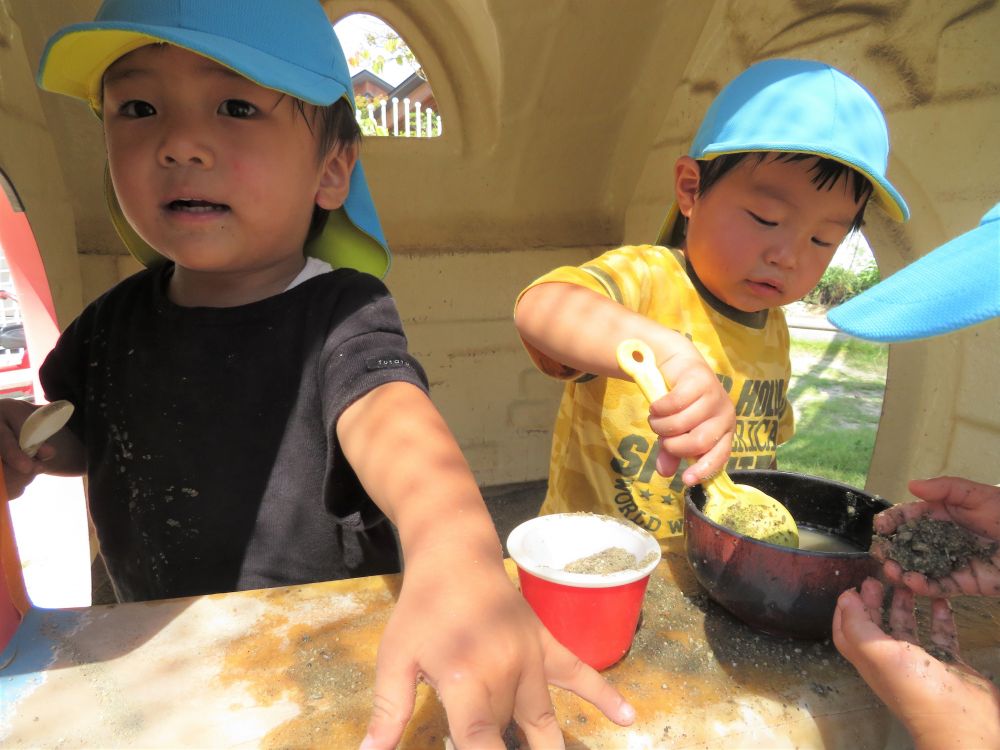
point(562, 119)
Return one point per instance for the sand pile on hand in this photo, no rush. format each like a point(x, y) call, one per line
point(934, 547)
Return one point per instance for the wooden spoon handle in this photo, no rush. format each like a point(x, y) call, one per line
point(638, 361)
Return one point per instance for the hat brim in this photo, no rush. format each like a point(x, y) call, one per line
point(76, 58)
point(953, 286)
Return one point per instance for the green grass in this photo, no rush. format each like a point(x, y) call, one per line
point(859, 354)
point(836, 391)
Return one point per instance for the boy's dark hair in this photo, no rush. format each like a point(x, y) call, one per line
point(825, 171)
point(335, 125)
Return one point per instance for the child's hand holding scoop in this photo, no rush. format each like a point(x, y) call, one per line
point(42, 424)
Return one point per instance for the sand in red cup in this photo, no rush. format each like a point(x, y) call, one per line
point(593, 614)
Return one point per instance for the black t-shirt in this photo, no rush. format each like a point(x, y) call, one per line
point(210, 433)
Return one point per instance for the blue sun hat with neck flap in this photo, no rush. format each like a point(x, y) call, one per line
point(288, 46)
point(796, 106)
point(954, 286)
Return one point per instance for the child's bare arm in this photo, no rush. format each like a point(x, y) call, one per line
point(924, 692)
point(61, 454)
point(459, 623)
point(579, 328)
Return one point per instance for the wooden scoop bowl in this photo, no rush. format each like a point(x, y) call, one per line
point(740, 507)
point(43, 423)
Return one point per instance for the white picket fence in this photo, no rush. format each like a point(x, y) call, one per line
point(426, 124)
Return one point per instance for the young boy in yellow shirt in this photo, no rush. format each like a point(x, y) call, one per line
point(781, 169)
point(247, 412)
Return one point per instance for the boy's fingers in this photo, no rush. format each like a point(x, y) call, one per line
point(392, 705)
point(921, 585)
point(893, 573)
point(534, 713)
point(854, 623)
point(563, 669)
point(711, 463)
point(471, 719)
point(666, 464)
point(902, 619)
point(962, 581)
point(872, 596)
point(45, 452)
point(890, 519)
point(887, 521)
point(879, 549)
point(15, 458)
point(955, 491)
point(943, 632)
point(986, 574)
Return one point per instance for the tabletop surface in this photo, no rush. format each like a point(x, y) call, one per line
point(294, 667)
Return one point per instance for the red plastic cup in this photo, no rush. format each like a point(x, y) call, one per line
point(594, 615)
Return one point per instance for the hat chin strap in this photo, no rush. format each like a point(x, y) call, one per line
point(340, 243)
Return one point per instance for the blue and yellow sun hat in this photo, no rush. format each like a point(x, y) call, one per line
point(288, 46)
point(797, 106)
point(953, 286)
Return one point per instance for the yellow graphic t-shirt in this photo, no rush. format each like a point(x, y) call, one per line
point(603, 451)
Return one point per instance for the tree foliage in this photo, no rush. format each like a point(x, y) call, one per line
point(385, 47)
point(840, 284)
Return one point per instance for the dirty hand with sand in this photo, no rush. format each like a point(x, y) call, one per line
point(942, 702)
point(972, 506)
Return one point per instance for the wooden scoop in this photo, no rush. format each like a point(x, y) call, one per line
point(739, 507)
point(43, 423)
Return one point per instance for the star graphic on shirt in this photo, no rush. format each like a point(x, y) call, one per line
point(645, 494)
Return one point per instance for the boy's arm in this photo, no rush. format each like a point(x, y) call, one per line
point(459, 624)
point(580, 328)
point(61, 454)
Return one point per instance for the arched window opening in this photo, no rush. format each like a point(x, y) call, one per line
point(391, 89)
point(837, 382)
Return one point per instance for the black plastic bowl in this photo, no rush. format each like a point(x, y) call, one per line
point(783, 591)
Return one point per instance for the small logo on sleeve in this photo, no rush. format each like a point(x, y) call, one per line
point(385, 363)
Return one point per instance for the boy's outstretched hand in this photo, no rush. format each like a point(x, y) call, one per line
point(972, 505)
point(941, 702)
point(476, 641)
point(459, 624)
